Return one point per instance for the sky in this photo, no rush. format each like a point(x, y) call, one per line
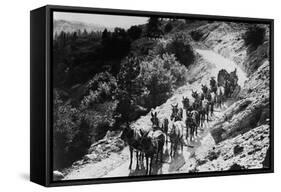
point(100, 19)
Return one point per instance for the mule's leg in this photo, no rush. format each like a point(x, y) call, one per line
point(171, 149)
point(146, 157)
point(186, 135)
point(176, 149)
point(131, 157)
point(191, 134)
point(150, 166)
point(157, 152)
point(137, 156)
point(161, 154)
point(181, 146)
point(202, 120)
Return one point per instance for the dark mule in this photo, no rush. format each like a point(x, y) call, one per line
point(165, 128)
point(191, 125)
point(155, 121)
point(205, 89)
point(212, 98)
point(195, 121)
point(223, 76)
point(185, 103)
point(187, 125)
point(204, 111)
point(176, 137)
point(152, 144)
point(195, 95)
point(133, 139)
point(177, 113)
point(213, 85)
point(180, 114)
point(220, 96)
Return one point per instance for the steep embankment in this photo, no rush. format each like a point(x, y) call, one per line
point(242, 134)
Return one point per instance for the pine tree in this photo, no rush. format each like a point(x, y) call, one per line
point(153, 28)
point(129, 88)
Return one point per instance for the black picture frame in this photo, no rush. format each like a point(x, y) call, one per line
point(41, 31)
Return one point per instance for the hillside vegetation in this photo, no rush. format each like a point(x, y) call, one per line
point(105, 79)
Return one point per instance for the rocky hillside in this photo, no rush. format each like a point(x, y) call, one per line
point(242, 134)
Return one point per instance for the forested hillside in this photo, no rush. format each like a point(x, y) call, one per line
point(103, 79)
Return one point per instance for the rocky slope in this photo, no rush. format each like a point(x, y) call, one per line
point(242, 134)
point(245, 151)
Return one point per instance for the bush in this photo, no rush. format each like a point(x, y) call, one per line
point(75, 129)
point(182, 50)
point(196, 35)
point(168, 27)
point(142, 46)
point(254, 37)
point(101, 119)
point(179, 46)
point(134, 32)
point(100, 88)
point(160, 76)
point(81, 140)
point(68, 130)
point(153, 28)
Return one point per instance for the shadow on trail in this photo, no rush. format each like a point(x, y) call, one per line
point(141, 171)
point(176, 162)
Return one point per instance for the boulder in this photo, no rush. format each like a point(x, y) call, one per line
point(236, 167)
point(57, 175)
point(91, 157)
point(237, 149)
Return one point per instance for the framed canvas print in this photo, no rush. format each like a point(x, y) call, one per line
point(122, 95)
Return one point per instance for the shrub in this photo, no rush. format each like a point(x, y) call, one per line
point(142, 46)
point(99, 89)
point(81, 141)
point(168, 27)
point(254, 36)
point(177, 45)
point(65, 128)
point(196, 35)
point(160, 75)
point(134, 32)
point(153, 27)
point(101, 119)
point(180, 47)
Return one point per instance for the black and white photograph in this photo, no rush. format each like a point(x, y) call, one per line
point(137, 95)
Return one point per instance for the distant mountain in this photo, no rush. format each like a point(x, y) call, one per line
point(72, 26)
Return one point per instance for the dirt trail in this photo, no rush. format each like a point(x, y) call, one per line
point(117, 164)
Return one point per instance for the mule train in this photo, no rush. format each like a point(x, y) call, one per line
point(150, 144)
